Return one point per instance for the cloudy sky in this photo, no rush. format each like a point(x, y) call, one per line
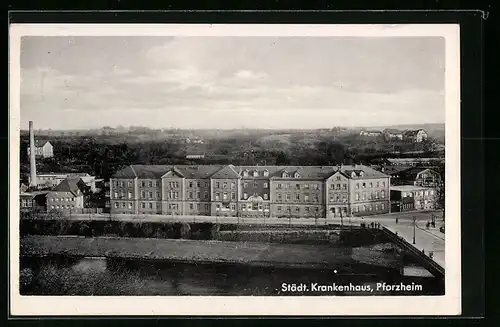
point(230, 82)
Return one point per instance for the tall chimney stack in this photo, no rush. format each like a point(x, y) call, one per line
point(33, 181)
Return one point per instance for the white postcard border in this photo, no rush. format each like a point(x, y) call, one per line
point(448, 304)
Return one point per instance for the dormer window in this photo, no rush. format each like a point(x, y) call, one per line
point(255, 173)
point(353, 174)
point(296, 175)
point(266, 172)
point(245, 173)
point(284, 174)
point(361, 173)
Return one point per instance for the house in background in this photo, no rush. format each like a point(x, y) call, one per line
point(33, 200)
point(417, 135)
point(392, 134)
point(42, 149)
point(416, 176)
point(51, 180)
point(370, 133)
point(68, 196)
point(411, 198)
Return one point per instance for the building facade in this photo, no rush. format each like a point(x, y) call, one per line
point(43, 149)
point(250, 191)
point(418, 135)
point(416, 176)
point(411, 198)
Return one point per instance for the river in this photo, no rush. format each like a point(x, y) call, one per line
point(100, 276)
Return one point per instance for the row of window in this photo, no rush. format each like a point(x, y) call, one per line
point(298, 186)
point(368, 208)
point(67, 199)
point(255, 185)
point(370, 184)
point(418, 193)
point(255, 173)
point(338, 186)
point(290, 209)
point(305, 197)
point(62, 206)
point(369, 195)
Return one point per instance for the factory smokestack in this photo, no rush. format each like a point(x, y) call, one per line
point(33, 181)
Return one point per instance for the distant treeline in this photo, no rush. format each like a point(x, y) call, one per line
point(105, 155)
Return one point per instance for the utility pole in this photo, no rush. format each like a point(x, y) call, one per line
point(414, 227)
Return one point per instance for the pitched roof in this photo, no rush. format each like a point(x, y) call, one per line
point(68, 185)
point(228, 171)
point(411, 173)
point(393, 131)
point(41, 143)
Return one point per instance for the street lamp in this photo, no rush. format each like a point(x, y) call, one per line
point(414, 227)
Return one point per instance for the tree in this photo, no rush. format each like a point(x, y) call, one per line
point(316, 214)
point(282, 159)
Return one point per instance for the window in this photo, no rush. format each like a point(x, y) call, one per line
point(369, 195)
point(176, 195)
point(224, 185)
point(245, 184)
point(265, 196)
point(338, 186)
point(129, 184)
point(130, 195)
point(130, 205)
point(158, 183)
point(265, 185)
point(306, 186)
point(150, 195)
point(217, 196)
point(143, 194)
point(206, 184)
point(206, 195)
point(158, 206)
point(255, 173)
point(377, 195)
point(383, 183)
point(266, 172)
point(245, 173)
point(233, 196)
point(287, 196)
point(190, 195)
point(382, 206)
point(197, 194)
point(245, 196)
point(116, 195)
point(279, 208)
point(284, 175)
point(224, 196)
point(150, 184)
point(143, 184)
point(364, 196)
point(357, 185)
point(191, 207)
point(376, 207)
point(255, 184)
point(217, 184)
point(158, 196)
point(297, 175)
point(297, 197)
point(233, 207)
point(364, 185)
point(297, 209)
point(279, 186)
point(371, 185)
point(143, 205)
point(306, 209)
point(122, 184)
point(116, 205)
point(306, 197)
point(297, 186)
point(344, 186)
point(338, 178)
point(190, 184)
point(233, 185)
point(382, 194)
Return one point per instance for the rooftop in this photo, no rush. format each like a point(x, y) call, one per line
point(230, 171)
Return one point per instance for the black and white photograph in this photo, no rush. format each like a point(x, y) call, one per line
point(235, 169)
